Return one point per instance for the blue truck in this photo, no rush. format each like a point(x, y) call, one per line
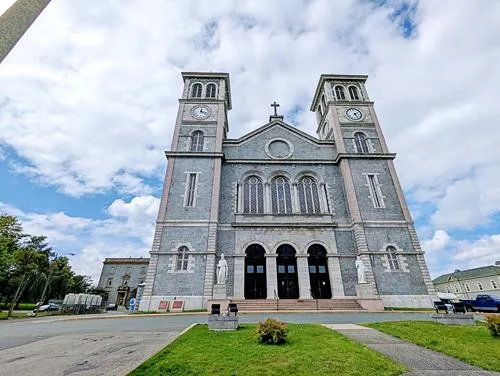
point(482, 303)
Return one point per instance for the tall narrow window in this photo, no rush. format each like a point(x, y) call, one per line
point(493, 284)
point(182, 258)
point(211, 89)
point(253, 196)
point(323, 103)
point(353, 92)
point(467, 287)
point(361, 143)
point(392, 256)
point(308, 196)
point(280, 196)
point(375, 191)
point(339, 93)
point(196, 91)
point(191, 190)
point(480, 286)
point(197, 141)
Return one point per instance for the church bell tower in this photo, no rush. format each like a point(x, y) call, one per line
point(182, 262)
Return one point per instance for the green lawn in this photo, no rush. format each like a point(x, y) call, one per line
point(309, 350)
point(471, 344)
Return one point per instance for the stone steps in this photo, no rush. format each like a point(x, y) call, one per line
point(252, 305)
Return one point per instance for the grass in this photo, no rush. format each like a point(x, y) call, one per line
point(471, 344)
point(309, 350)
point(22, 315)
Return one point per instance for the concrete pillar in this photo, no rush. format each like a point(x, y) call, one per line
point(271, 276)
point(335, 277)
point(239, 277)
point(303, 274)
point(16, 21)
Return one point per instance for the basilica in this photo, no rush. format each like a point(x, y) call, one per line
point(294, 217)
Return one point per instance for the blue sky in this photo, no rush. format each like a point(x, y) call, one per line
point(88, 101)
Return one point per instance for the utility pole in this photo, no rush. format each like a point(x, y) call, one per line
point(16, 20)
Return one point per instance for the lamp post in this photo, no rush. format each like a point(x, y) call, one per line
point(47, 280)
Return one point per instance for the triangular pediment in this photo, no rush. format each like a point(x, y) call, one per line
point(279, 141)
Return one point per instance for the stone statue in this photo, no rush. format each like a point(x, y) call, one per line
point(361, 270)
point(221, 270)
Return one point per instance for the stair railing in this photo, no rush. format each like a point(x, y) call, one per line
point(277, 300)
point(315, 298)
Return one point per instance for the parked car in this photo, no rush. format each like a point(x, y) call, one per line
point(483, 303)
point(48, 308)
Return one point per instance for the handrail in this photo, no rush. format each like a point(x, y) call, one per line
point(312, 295)
point(277, 300)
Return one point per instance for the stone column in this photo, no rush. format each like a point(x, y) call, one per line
point(335, 275)
point(239, 277)
point(295, 199)
point(303, 274)
point(271, 276)
point(267, 198)
point(16, 21)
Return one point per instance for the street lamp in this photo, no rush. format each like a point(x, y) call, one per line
point(47, 280)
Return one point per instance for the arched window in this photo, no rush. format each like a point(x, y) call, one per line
point(339, 93)
point(353, 92)
point(182, 258)
point(196, 91)
point(280, 196)
point(197, 141)
point(361, 143)
point(210, 93)
point(392, 256)
point(253, 195)
point(308, 196)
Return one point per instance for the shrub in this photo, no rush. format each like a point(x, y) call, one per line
point(493, 324)
point(271, 332)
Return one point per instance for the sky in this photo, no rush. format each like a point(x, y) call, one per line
point(88, 100)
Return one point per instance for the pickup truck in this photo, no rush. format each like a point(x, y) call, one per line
point(486, 303)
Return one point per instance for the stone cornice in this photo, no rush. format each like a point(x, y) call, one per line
point(283, 224)
point(364, 156)
point(193, 154)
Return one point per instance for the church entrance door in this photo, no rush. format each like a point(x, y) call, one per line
point(318, 272)
point(288, 284)
point(255, 273)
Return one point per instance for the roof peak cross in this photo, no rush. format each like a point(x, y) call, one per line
point(275, 105)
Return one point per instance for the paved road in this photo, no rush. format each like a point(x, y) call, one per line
point(116, 346)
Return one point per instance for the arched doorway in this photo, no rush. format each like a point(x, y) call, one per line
point(318, 272)
point(288, 284)
point(255, 273)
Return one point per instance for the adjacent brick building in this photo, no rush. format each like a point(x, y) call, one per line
point(291, 212)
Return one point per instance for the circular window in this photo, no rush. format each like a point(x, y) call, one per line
point(279, 149)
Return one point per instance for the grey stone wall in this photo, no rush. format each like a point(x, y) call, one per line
point(349, 275)
point(173, 283)
point(392, 210)
point(209, 132)
point(303, 148)
point(398, 282)
point(175, 205)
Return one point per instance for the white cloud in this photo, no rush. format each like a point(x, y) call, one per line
point(439, 241)
point(88, 98)
point(483, 251)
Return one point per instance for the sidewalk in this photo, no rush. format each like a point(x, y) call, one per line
point(419, 361)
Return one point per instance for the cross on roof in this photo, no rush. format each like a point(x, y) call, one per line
point(275, 105)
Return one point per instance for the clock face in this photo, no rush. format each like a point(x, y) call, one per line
point(354, 114)
point(201, 112)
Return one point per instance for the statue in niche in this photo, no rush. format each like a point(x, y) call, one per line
point(360, 266)
point(222, 270)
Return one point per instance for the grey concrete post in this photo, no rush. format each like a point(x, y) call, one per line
point(16, 21)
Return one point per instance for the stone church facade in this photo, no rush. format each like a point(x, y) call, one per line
point(290, 212)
